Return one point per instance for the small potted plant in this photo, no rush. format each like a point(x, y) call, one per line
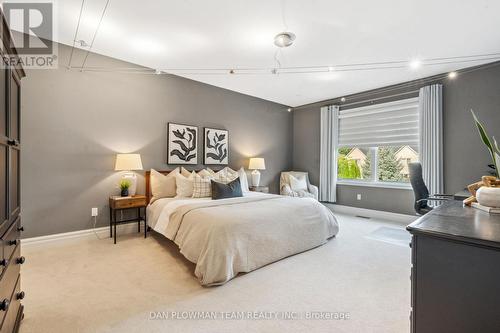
point(491, 144)
point(489, 193)
point(124, 186)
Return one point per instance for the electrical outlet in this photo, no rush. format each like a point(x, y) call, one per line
point(358, 196)
point(95, 212)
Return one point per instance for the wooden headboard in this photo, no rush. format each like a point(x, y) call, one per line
point(147, 175)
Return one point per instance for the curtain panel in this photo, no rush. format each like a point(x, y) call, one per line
point(431, 136)
point(328, 153)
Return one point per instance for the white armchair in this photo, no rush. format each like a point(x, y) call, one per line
point(298, 186)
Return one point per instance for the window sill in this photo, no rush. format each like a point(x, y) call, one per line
point(400, 186)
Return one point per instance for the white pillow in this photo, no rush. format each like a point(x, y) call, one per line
point(202, 187)
point(243, 180)
point(205, 173)
point(298, 183)
point(230, 172)
point(185, 173)
point(184, 185)
point(212, 172)
point(162, 186)
point(225, 177)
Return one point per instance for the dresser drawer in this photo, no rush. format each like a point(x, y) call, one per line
point(8, 279)
point(130, 203)
point(10, 317)
point(11, 239)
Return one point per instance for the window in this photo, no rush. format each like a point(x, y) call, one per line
point(376, 143)
point(353, 163)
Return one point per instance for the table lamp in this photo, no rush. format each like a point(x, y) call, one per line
point(129, 162)
point(256, 164)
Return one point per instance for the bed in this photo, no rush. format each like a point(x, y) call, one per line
point(230, 236)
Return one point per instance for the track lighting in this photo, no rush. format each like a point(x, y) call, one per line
point(415, 64)
point(284, 39)
point(82, 43)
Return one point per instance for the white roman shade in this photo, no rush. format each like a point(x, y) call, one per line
point(385, 124)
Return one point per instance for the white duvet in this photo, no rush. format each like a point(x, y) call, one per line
point(229, 236)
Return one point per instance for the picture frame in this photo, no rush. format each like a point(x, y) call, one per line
point(216, 146)
point(182, 144)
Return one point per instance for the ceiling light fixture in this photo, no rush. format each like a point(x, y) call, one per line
point(342, 99)
point(289, 109)
point(415, 64)
point(452, 75)
point(284, 39)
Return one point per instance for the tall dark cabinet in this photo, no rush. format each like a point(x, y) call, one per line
point(11, 294)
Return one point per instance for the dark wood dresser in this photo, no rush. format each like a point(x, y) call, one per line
point(455, 271)
point(11, 310)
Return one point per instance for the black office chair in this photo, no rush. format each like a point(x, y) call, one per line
point(421, 192)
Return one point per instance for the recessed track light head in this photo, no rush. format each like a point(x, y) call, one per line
point(284, 39)
point(82, 43)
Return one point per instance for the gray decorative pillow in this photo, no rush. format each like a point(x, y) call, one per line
point(224, 191)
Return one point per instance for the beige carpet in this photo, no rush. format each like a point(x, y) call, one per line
point(91, 285)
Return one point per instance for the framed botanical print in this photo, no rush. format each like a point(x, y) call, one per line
point(216, 147)
point(182, 144)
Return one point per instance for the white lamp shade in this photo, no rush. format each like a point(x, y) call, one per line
point(128, 162)
point(257, 163)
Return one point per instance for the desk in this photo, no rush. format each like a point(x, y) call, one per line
point(462, 195)
point(455, 271)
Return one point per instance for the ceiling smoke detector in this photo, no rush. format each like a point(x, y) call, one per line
point(284, 39)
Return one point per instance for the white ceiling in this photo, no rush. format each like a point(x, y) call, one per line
point(239, 33)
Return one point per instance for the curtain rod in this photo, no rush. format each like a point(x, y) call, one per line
point(396, 87)
point(371, 100)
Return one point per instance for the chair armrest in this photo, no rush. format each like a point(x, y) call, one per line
point(442, 195)
point(433, 199)
point(313, 190)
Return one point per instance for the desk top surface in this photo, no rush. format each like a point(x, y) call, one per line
point(453, 221)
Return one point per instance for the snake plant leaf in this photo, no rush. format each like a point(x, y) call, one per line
point(496, 145)
point(487, 142)
point(482, 133)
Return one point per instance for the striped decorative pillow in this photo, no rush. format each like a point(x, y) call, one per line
point(202, 187)
point(226, 175)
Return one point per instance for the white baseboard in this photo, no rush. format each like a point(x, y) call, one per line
point(375, 214)
point(102, 232)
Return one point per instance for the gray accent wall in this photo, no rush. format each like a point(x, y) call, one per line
point(465, 157)
point(73, 124)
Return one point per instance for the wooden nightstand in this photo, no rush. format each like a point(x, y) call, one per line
point(262, 189)
point(117, 203)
